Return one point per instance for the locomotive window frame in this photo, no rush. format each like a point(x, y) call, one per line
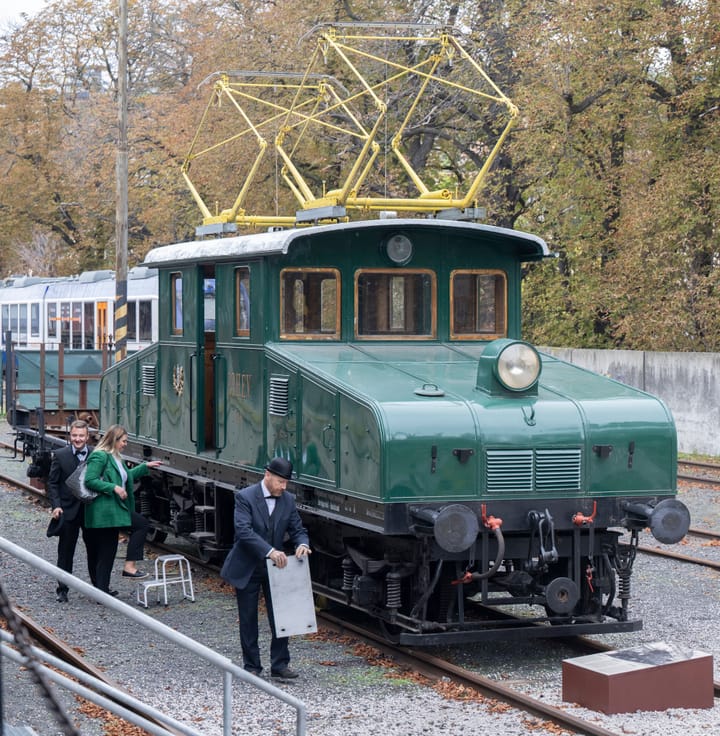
point(469, 325)
point(398, 321)
point(176, 307)
point(311, 313)
point(242, 301)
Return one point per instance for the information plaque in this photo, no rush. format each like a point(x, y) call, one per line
point(292, 597)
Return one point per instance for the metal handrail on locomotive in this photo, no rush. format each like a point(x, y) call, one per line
point(446, 469)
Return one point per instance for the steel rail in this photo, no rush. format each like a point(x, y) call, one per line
point(436, 668)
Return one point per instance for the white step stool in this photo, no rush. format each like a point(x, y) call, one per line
point(162, 579)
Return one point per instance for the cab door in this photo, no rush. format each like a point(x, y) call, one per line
point(203, 360)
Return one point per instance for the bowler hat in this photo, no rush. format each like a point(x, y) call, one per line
point(280, 466)
point(55, 525)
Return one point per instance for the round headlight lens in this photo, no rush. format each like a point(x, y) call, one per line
point(518, 366)
point(399, 249)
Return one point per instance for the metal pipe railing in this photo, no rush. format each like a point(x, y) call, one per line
point(230, 670)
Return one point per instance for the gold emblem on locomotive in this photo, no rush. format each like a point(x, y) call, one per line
point(178, 379)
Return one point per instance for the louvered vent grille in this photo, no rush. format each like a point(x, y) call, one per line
point(148, 379)
point(557, 470)
point(278, 400)
point(510, 470)
point(530, 471)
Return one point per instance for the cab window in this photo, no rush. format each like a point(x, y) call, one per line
point(479, 305)
point(310, 303)
point(209, 304)
point(395, 304)
point(177, 303)
point(242, 301)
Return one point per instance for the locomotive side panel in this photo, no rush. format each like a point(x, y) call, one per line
point(317, 459)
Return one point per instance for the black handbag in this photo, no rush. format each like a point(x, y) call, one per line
point(76, 483)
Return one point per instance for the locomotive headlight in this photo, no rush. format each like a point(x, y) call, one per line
point(399, 249)
point(518, 366)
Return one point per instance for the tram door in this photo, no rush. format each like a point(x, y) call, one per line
point(205, 362)
point(101, 334)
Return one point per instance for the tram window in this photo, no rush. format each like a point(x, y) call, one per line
point(310, 303)
point(89, 325)
point(242, 302)
point(35, 320)
point(177, 303)
point(209, 304)
point(5, 319)
point(65, 316)
point(23, 325)
point(14, 321)
point(52, 321)
point(479, 301)
point(145, 320)
point(132, 321)
point(76, 325)
point(395, 304)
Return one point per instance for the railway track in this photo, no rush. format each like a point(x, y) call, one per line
point(436, 668)
point(695, 471)
point(68, 654)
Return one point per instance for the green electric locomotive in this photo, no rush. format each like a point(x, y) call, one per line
point(445, 468)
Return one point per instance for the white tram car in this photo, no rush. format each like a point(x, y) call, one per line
point(77, 312)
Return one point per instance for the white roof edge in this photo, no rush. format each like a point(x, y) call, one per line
point(277, 242)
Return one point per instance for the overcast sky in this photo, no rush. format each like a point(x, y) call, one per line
point(11, 9)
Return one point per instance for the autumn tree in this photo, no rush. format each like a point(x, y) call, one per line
point(614, 159)
point(619, 142)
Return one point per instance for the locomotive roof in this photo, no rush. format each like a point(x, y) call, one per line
point(530, 247)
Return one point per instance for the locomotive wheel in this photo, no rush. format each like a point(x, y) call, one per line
point(390, 632)
point(155, 536)
point(206, 555)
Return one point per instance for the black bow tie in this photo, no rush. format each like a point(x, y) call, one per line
point(80, 454)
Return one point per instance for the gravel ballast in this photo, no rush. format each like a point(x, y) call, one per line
point(346, 693)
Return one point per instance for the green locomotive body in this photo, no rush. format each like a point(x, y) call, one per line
point(444, 468)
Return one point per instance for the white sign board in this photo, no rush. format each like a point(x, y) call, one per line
point(292, 597)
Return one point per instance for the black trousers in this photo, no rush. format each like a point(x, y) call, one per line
point(67, 543)
point(247, 602)
point(139, 526)
point(102, 546)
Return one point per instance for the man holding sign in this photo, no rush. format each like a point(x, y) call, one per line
point(264, 514)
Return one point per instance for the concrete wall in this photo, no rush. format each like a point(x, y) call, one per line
point(689, 383)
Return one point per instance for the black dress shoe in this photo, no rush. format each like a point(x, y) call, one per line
point(62, 596)
point(286, 674)
point(113, 593)
point(253, 670)
point(136, 574)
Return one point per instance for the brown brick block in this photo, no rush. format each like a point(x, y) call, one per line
point(653, 676)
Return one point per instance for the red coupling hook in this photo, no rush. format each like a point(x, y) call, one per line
point(589, 577)
point(466, 578)
point(491, 522)
point(580, 519)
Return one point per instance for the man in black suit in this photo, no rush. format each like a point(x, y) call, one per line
point(264, 515)
point(67, 511)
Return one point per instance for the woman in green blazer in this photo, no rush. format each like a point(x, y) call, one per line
point(113, 509)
